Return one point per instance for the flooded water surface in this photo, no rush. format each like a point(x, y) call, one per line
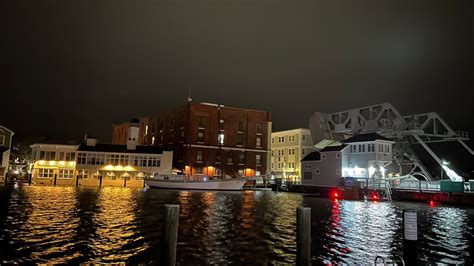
point(69, 225)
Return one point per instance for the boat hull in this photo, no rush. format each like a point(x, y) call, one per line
point(230, 184)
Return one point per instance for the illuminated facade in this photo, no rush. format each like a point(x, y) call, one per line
point(92, 164)
point(209, 139)
point(288, 148)
point(360, 157)
point(6, 136)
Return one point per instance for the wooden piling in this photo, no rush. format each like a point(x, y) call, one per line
point(410, 237)
point(303, 236)
point(170, 234)
point(55, 178)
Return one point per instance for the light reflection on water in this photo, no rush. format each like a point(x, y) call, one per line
point(65, 225)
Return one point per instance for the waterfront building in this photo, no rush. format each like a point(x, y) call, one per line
point(288, 148)
point(6, 136)
point(359, 157)
point(208, 139)
point(93, 164)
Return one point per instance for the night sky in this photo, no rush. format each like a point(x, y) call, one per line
point(71, 66)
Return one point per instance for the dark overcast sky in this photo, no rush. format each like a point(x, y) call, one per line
point(68, 66)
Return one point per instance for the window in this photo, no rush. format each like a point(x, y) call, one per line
point(307, 166)
point(259, 128)
point(146, 130)
point(45, 173)
point(153, 140)
point(380, 147)
point(240, 139)
point(258, 159)
point(202, 122)
point(199, 156)
point(303, 151)
point(2, 140)
point(240, 127)
point(283, 139)
point(259, 142)
point(323, 156)
point(200, 137)
point(273, 140)
point(241, 158)
point(273, 153)
point(338, 155)
point(198, 171)
point(221, 124)
point(316, 171)
point(61, 156)
point(303, 137)
point(220, 138)
point(66, 174)
point(229, 160)
point(272, 165)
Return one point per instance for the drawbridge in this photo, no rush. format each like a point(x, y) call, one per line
point(407, 132)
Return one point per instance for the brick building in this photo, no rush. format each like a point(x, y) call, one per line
point(208, 139)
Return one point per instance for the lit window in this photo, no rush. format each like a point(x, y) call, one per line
point(199, 156)
point(220, 138)
point(152, 140)
point(258, 159)
point(146, 130)
point(240, 139)
point(259, 142)
point(200, 136)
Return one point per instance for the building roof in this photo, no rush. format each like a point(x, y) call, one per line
point(4, 128)
point(334, 148)
point(120, 148)
point(365, 137)
point(290, 130)
point(313, 156)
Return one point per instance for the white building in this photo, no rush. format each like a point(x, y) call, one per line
point(93, 164)
point(288, 147)
point(359, 157)
point(6, 136)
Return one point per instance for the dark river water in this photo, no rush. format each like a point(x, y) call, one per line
point(69, 225)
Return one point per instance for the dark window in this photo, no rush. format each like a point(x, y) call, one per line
point(259, 128)
point(240, 127)
point(240, 139)
point(202, 122)
point(241, 157)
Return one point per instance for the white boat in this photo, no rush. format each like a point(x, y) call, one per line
point(196, 184)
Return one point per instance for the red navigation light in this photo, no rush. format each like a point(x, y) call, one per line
point(336, 195)
point(374, 196)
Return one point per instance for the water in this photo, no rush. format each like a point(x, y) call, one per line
point(68, 225)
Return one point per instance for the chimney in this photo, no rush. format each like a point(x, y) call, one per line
point(91, 142)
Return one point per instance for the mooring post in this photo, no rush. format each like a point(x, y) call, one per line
point(29, 178)
point(55, 177)
point(410, 237)
point(170, 234)
point(303, 236)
